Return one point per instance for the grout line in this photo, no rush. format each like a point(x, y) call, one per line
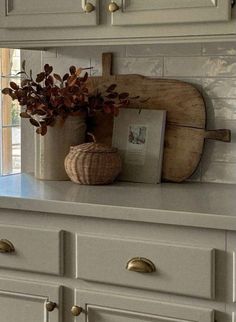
point(226, 250)
point(41, 60)
point(126, 52)
point(163, 66)
point(90, 65)
point(201, 45)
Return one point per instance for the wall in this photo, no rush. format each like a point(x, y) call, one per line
point(210, 67)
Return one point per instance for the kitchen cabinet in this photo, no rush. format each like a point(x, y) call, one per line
point(138, 12)
point(20, 14)
point(102, 307)
point(100, 22)
point(28, 301)
point(116, 253)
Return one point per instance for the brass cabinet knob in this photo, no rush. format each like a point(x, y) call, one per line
point(140, 265)
point(6, 246)
point(76, 310)
point(89, 7)
point(113, 7)
point(50, 306)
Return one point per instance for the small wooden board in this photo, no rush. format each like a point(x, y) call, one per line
point(186, 117)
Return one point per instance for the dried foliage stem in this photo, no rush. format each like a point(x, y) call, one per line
point(51, 96)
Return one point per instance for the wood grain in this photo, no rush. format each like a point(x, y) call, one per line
point(186, 117)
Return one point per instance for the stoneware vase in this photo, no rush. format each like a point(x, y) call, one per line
point(52, 148)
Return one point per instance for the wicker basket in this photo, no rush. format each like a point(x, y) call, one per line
point(92, 163)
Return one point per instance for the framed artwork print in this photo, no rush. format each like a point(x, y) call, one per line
point(139, 137)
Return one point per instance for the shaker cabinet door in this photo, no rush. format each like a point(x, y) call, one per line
point(102, 307)
point(139, 12)
point(15, 14)
point(25, 302)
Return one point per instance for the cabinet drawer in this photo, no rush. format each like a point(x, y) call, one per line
point(179, 269)
point(35, 250)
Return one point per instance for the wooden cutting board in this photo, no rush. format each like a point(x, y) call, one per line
point(186, 117)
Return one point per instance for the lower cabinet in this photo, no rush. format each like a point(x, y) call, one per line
point(113, 271)
point(108, 307)
point(29, 302)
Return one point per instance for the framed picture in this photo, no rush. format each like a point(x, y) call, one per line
point(139, 137)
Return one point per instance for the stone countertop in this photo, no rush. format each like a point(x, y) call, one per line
point(206, 205)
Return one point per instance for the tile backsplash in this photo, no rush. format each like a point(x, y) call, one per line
point(210, 67)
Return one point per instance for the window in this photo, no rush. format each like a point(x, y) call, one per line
point(10, 133)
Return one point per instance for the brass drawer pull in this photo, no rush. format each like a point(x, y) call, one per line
point(6, 246)
point(76, 310)
point(89, 7)
point(140, 265)
point(50, 306)
point(113, 7)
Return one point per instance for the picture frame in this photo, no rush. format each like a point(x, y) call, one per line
point(139, 137)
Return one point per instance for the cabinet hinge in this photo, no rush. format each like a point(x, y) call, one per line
point(232, 3)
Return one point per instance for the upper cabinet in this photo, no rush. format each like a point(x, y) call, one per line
point(44, 23)
point(48, 14)
point(139, 12)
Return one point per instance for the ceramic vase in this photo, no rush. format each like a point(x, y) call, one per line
point(52, 148)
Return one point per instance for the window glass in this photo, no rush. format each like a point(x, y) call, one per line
point(10, 134)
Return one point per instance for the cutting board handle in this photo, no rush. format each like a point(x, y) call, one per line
point(106, 64)
point(219, 135)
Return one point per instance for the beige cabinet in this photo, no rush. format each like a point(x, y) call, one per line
point(56, 23)
point(21, 14)
point(28, 301)
point(102, 307)
point(114, 270)
point(34, 250)
point(152, 12)
point(179, 269)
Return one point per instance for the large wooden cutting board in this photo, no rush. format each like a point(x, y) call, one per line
point(186, 117)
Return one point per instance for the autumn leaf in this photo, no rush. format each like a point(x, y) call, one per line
point(72, 70)
point(85, 77)
point(42, 129)
point(40, 77)
point(40, 112)
point(123, 96)
point(112, 95)
point(14, 86)
point(48, 69)
point(7, 91)
point(65, 77)
point(24, 115)
point(111, 88)
point(34, 122)
point(57, 77)
point(49, 81)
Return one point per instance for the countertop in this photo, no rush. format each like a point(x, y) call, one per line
point(206, 205)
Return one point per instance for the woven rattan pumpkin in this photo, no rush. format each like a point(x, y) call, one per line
point(92, 163)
